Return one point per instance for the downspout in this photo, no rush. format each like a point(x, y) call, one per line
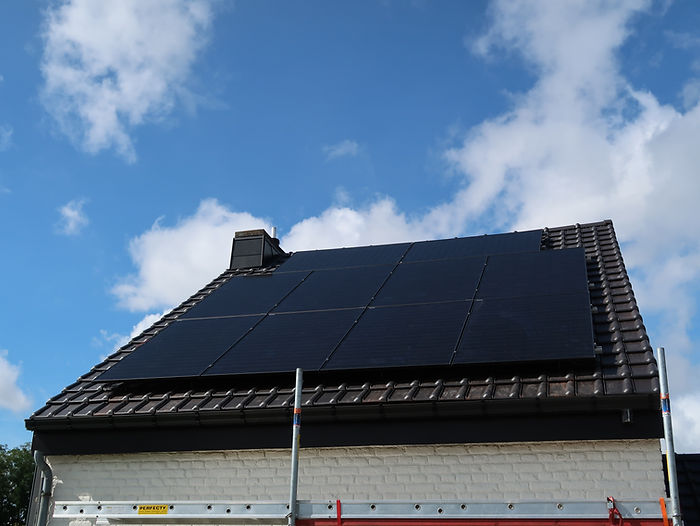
point(46, 487)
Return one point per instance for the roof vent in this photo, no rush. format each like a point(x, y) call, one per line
point(254, 248)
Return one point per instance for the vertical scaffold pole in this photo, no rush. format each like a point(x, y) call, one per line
point(668, 439)
point(296, 425)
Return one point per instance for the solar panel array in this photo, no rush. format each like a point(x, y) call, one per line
point(483, 299)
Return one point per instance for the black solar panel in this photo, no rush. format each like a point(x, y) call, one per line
point(184, 348)
point(410, 335)
point(345, 257)
point(527, 329)
point(511, 243)
point(336, 288)
point(283, 342)
point(367, 307)
point(536, 273)
point(432, 281)
point(246, 294)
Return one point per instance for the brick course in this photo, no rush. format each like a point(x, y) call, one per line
point(583, 470)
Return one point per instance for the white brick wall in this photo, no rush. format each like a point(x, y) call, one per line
point(584, 470)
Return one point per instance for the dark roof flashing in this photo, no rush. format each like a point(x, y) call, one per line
point(254, 249)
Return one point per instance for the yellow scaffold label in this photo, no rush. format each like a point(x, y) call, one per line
point(153, 509)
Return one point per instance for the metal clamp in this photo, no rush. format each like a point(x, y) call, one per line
point(614, 515)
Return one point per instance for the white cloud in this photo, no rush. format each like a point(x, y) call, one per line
point(111, 66)
point(6, 132)
point(73, 218)
point(378, 222)
point(346, 148)
point(173, 262)
point(685, 411)
point(11, 396)
point(145, 323)
point(690, 94)
point(342, 196)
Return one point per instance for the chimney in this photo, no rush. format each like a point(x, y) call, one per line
point(254, 248)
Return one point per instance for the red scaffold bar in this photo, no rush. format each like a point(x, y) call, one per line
point(477, 522)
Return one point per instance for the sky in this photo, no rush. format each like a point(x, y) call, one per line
point(137, 136)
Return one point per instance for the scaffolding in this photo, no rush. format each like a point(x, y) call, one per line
point(387, 513)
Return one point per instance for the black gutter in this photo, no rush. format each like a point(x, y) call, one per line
point(358, 412)
point(427, 423)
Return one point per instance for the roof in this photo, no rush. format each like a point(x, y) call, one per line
point(621, 379)
point(688, 471)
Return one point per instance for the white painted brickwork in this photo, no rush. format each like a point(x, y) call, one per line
point(585, 470)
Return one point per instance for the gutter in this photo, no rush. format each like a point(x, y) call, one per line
point(356, 412)
point(330, 432)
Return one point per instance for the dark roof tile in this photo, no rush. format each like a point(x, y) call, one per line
point(284, 398)
point(238, 400)
point(151, 405)
point(88, 409)
point(129, 407)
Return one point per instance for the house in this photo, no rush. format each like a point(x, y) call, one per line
point(477, 379)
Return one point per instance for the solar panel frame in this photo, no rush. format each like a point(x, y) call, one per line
point(345, 257)
point(182, 349)
point(261, 291)
point(535, 273)
point(463, 247)
point(395, 336)
point(514, 330)
point(336, 289)
point(298, 339)
point(432, 281)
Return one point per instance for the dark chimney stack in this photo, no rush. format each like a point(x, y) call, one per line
point(254, 248)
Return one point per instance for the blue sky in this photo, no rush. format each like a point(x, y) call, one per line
point(136, 137)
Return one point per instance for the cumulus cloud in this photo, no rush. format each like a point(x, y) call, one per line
point(111, 66)
point(346, 148)
point(144, 323)
point(6, 132)
point(690, 94)
point(686, 422)
point(378, 222)
point(11, 396)
point(73, 218)
point(174, 261)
